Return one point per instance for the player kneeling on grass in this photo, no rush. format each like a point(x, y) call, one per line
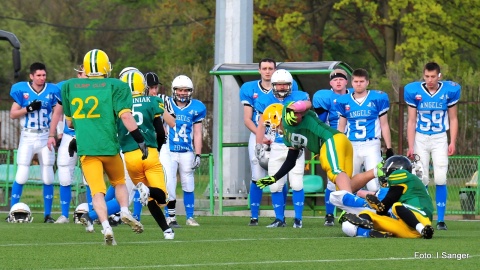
point(405, 212)
point(301, 129)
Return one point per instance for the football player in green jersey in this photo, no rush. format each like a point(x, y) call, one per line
point(92, 106)
point(407, 199)
point(147, 111)
point(301, 128)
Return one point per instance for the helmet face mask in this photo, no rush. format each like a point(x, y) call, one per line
point(272, 116)
point(20, 213)
point(282, 82)
point(79, 211)
point(97, 64)
point(182, 88)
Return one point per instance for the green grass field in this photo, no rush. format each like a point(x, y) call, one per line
point(227, 242)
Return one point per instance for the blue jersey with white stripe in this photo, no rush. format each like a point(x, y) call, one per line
point(251, 91)
point(66, 129)
point(262, 103)
point(327, 100)
point(23, 94)
point(180, 137)
point(432, 109)
point(363, 121)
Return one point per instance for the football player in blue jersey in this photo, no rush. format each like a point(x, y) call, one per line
point(282, 93)
point(249, 92)
point(66, 164)
point(432, 111)
point(33, 103)
point(185, 143)
point(364, 119)
point(324, 102)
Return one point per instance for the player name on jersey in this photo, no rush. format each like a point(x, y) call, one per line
point(360, 113)
point(431, 105)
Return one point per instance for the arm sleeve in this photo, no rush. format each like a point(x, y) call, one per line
point(288, 164)
point(157, 123)
point(393, 195)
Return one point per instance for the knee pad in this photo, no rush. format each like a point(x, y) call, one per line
point(296, 184)
point(349, 229)
point(336, 197)
point(47, 174)
point(277, 187)
point(440, 174)
point(65, 176)
point(22, 174)
point(331, 186)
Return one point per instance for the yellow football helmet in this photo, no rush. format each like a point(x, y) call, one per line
point(135, 81)
point(272, 116)
point(96, 64)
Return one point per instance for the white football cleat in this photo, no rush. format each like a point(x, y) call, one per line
point(62, 219)
point(108, 236)
point(192, 222)
point(169, 234)
point(130, 221)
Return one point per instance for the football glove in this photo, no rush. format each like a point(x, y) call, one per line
point(196, 162)
point(389, 153)
point(72, 147)
point(143, 147)
point(144, 193)
point(290, 117)
point(265, 181)
point(259, 151)
point(34, 106)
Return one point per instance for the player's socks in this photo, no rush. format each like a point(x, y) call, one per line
point(353, 201)
point(329, 207)
point(285, 194)
point(88, 194)
point(441, 200)
point(166, 211)
point(278, 205)
point(298, 199)
point(113, 207)
point(137, 206)
point(157, 214)
point(255, 199)
point(65, 198)
point(189, 202)
point(172, 205)
point(17, 190)
point(110, 193)
point(362, 232)
point(47, 199)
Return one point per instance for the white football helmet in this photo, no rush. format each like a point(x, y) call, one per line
point(182, 82)
point(282, 76)
point(20, 213)
point(79, 211)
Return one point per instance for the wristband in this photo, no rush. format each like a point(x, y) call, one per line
point(137, 135)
